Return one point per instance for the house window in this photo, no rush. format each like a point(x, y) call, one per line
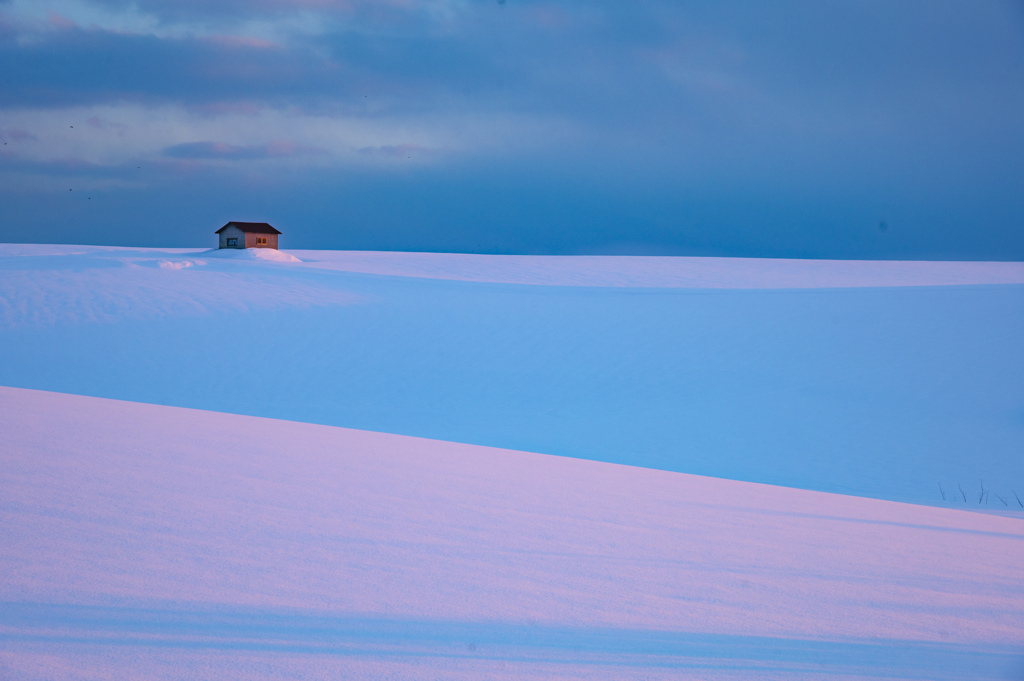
point(232, 242)
point(261, 241)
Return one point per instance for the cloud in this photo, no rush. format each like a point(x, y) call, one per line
point(224, 10)
point(232, 152)
point(656, 82)
point(132, 135)
point(58, 21)
point(80, 66)
point(17, 135)
point(211, 150)
point(243, 41)
point(397, 152)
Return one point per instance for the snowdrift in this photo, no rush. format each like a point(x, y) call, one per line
point(66, 285)
point(254, 254)
point(888, 392)
point(151, 542)
point(667, 272)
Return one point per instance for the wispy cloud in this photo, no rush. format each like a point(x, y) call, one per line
point(232, 152)
point(17, 135)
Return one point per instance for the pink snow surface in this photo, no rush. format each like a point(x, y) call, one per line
point(144, 542)
point(666, 271)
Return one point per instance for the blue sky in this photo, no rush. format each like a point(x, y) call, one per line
point(800, 129)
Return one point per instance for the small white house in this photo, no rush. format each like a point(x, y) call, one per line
point(247, 235)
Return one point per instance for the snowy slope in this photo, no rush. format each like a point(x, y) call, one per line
point(147, 542)
point(876, 391)
point(666, 272)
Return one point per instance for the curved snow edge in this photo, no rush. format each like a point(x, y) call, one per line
point(268, 254)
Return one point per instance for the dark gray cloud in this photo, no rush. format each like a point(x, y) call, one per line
point(365, 12)
point(76, 66)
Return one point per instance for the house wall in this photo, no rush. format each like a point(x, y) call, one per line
point(250, 240)
point(233, 233)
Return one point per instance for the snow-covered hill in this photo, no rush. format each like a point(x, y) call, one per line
point(146, 542)
point(876, 379)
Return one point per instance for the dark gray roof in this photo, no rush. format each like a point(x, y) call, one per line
point(251, 227)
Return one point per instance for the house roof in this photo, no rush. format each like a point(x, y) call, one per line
point(251, 227)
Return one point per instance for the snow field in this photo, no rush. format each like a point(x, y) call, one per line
point(152, 542)
point(839, 386)
point(667, 271)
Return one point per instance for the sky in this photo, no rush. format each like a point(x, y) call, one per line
point(855, 129)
